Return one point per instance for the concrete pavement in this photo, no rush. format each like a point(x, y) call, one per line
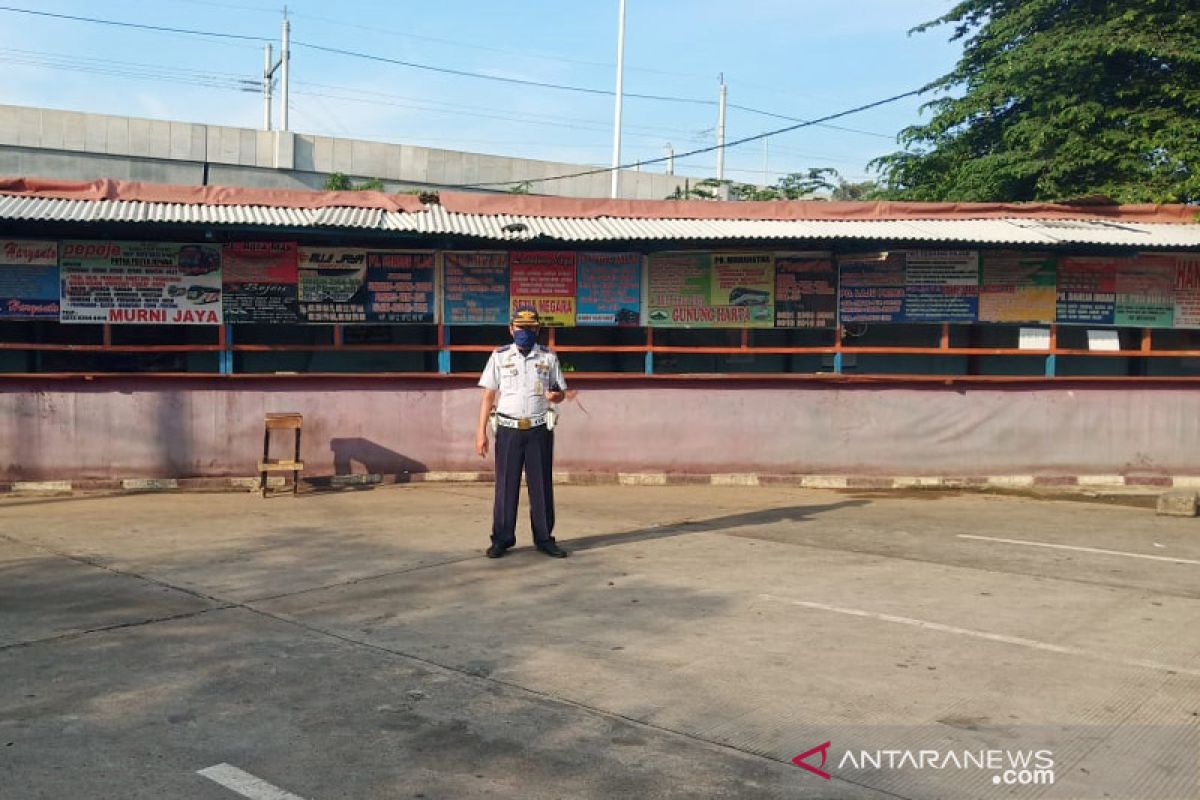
point(358, 645)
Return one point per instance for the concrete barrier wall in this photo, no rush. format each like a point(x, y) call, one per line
point(48, 143)
point(139, 427)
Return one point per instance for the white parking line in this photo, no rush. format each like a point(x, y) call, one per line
point(245, 784)
point(1079, 549)
point(1019, 641)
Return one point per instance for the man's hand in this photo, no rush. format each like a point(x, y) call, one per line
point(481, 444)
point(556, 397)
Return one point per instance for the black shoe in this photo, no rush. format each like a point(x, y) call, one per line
point(496, 551)
point(553, 550)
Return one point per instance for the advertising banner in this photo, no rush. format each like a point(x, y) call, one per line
point(333, 284)
point(140, 282)
point(941, 286)
point(545, 281)
point(871, 287)
point(1145, 292)
point(260, 281)
point(28, 279)
point(475, 288)
point(805, 290)
point(1087, 290)
point(1187, 288)
point(609, 289)
point(678, 288)
point(1017, 287)
point(400, 287)
point(712, 290)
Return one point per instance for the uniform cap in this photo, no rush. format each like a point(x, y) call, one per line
point(526, 317)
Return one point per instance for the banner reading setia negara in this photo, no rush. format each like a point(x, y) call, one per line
point(28, 280)
point(609, 287)
point(261, 282)
point(147, 282)
point(544, 281)
point(712, 290)
point(475, 288)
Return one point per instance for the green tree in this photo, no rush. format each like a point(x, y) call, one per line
point(338, 182)
point(1060, 99)
point(799, 185)
point(794, 186)
point(854, 190)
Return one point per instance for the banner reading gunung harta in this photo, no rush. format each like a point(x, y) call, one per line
point(712, 290)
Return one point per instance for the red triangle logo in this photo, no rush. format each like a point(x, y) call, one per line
point(823, 749)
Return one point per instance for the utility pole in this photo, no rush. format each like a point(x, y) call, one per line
point(670, 159)
point(268, 79)
point(723, 193)
point(766, 159)
point(616, 154)
point(285, 56)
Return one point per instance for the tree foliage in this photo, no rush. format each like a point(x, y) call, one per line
point(809, 184)
point(1060, 99)
point(338, 182)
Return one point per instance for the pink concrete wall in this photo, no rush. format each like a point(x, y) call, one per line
point(138, 427)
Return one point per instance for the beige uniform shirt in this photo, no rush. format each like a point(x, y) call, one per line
point(522, 380)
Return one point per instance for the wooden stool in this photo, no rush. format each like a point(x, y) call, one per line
point(281, 421)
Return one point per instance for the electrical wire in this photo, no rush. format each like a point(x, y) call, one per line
point(486, 48)
point(416, 65)
point(797, 119)
point(745, 139)
point(499, 78)
point(138, 25)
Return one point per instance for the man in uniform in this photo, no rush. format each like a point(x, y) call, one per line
point(520, 382)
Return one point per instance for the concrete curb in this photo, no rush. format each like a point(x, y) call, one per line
point(1135, 483)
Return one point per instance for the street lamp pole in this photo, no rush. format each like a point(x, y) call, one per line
point(616, 154)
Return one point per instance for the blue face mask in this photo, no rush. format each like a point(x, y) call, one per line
point(525, 338)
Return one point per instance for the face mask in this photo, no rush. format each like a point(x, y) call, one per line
point(525, 338)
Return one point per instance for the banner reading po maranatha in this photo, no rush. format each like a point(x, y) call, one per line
point(28, 280)
point(157, 283)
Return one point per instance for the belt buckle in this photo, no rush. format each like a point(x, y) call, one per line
point(523, 424)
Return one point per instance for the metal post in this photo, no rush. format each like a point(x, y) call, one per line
point(225, 357)
point(1052, 359)
point(444, 353)
point(284, 57)
point(721, 140)
point(267, 88)
point(670, 159)
point(616, 154)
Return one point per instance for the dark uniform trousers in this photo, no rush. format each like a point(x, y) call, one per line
point(533, 451)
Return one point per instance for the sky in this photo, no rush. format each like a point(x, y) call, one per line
point(794, 58)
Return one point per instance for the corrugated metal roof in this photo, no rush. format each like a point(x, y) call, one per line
point(435, 220)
